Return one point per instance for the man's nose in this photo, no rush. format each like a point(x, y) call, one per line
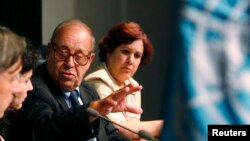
point(70, 61)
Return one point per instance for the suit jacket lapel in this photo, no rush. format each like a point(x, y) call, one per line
point(59, 97)
point(83, 96)
point(61, 100)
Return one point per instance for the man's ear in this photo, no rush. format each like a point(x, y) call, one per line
point(92, 56)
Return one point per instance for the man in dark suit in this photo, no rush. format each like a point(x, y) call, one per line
point(49, 113)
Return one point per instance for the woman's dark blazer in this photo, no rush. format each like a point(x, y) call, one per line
point(45, 115)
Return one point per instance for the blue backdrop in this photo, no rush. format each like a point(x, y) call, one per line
point(210, 81)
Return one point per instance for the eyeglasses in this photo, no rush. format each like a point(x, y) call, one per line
point(64, 54)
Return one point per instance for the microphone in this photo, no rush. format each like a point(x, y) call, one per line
point(142, 133)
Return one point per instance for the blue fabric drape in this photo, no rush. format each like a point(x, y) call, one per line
point(213, 78)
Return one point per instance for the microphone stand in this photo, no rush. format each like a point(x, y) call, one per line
point(142, 133)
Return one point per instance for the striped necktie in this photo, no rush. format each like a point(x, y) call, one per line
point(73, 98)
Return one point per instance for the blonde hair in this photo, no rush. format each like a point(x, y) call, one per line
point(11, 47)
